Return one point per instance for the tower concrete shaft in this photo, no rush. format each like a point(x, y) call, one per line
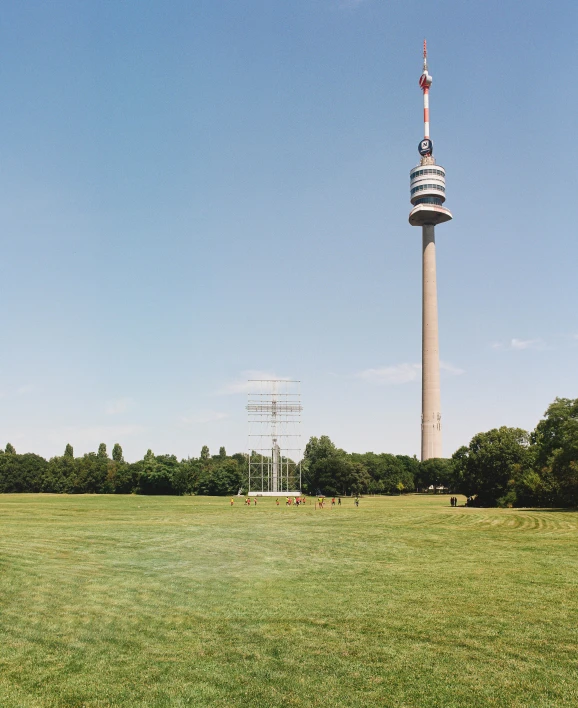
point(427, 195)
point(431, 425)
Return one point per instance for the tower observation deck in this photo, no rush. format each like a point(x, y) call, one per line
point(427, 196)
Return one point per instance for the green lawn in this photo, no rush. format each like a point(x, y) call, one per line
point(166, 601)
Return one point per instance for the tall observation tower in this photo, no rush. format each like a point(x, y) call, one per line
point(428, 193)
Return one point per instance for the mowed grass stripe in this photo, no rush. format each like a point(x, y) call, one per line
point(148, 601)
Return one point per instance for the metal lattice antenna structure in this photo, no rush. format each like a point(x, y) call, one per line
point(427, 195)
point(274, 411)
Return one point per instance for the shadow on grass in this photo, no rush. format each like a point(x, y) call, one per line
point(573, 509)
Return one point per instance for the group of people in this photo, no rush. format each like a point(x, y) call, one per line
point(454, 501)
point(321, 502)
point(297, 501)
point(246, 502)
point(290, 501)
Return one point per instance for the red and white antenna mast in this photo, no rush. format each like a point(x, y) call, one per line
point(425, 82)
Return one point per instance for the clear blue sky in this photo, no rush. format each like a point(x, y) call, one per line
point(190, 191)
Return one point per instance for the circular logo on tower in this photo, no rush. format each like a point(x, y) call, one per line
point(425, 147)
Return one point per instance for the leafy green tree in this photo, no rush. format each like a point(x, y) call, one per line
point(127, 477)
point(492, 464)
point(438, 471)
point(242, 460)
point(556, 442)
point(222, 453)
point(224, 479)
point(205, 455)
point(21, 473)
point(117, 453)
point(315, 469)
point(68, 450)
point(386, 472)
point(338, 474)
point(10, 449)
point(555, 429)
point(411, 467)
point(91, 474)
point(102, 453)
point(60, 475)
point(156, 476)
point(186, 476)
point(110, 481)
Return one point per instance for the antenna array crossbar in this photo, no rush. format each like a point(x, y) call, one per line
point(274, 412)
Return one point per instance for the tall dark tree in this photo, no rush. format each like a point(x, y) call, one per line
point(102, 453)
point(10, 449)
point(68, 450)
point(314, 468)
point(117, 453)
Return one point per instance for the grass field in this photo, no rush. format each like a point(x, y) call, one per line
point(172, 601)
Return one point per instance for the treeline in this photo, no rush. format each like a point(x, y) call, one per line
point(97, 473)
point(325, 469)
point(501, 467)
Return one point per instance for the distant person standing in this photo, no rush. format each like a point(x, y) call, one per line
point(333, 501)
point(356, 501)
point(338, 501)
point(232, 501)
